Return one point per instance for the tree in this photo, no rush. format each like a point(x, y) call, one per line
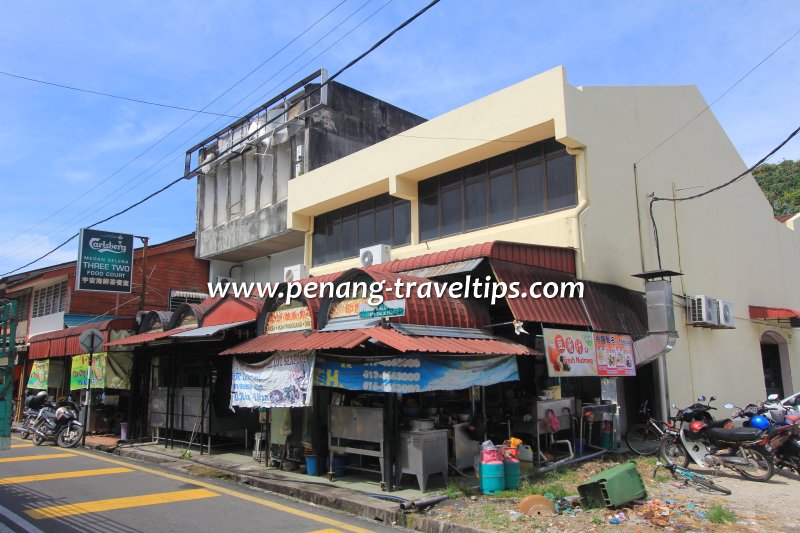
point(781, 185)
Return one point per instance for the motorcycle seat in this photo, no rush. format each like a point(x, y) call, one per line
point(734, 434)
point(719, 423)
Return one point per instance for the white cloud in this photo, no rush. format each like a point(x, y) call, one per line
point(29, 246)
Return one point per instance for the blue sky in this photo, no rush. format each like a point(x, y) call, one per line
point(55, 145)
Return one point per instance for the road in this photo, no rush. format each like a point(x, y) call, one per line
point(46, 488)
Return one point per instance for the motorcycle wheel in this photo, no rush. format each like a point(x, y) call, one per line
point(673, 452)
point(765, 469)
point(24, 434)
point(37, 440)
point(69, 438)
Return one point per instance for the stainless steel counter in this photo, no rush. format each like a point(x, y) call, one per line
point(423, 453)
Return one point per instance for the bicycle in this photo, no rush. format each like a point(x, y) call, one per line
point(690, 476)
point(645, 439)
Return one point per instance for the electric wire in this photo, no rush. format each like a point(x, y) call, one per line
point(133, 183)
point(109, 95)
point(654, 198)
point(718, 98)
point(278, 116)
point(168, 134)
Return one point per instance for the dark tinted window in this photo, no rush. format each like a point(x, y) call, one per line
point(475, 202)
point(451, 208)
point(349, 231)
point(530, 190)
point(561, 179)
point(501, 198)
point(428, 218)
point(402, 223)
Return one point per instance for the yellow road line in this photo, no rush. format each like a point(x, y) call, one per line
point(119, 503)
point(242, 496)
point(326, 531)
point(63, 475)
point(28, 445)
point(36, 457)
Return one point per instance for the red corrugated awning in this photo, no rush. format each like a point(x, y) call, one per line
point(759, 312)
point(454, 345)
point(144, 338)
point(615, 309)
point(64, 342)
point(300, 340)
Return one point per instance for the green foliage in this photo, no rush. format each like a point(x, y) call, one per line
point(720, 515)
point(597, 520)
point(781, 185)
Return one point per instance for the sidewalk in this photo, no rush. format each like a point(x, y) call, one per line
point(347, 495)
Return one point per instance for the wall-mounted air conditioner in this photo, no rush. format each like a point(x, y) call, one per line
point(725, 314)
point(295, 273)
point(375, 255)
point(702, 311)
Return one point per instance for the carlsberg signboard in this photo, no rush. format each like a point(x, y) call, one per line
point(105, 262)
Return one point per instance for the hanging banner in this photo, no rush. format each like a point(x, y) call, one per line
point(614, 355)
point(39, 374)
point(569, 353)
point(283, 380)
point(105, 261)
point(79, 372)
point(411, 373)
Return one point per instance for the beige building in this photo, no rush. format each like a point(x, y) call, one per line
point(545, 162)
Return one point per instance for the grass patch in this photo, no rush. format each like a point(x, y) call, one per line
point(597, 520)
point(720, 515)
point(454, 490)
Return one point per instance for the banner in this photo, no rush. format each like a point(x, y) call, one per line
point(118, 370)
point(38, 377)
point(105, 261)
point(412, 373)
point(570, 353)
point(283, 380)
point(614, 355)
point(79, 372)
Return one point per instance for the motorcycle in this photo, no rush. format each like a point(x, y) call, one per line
point(34, 404)
point(782, 439)
point(60, 426)
point(715, 443)
point(30, 417)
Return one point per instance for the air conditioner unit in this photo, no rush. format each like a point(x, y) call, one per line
point(223, 279)
point(298, 169)
point(299, 152)
point(725, 314)
point(702, 311)
point(295, 273)
point(375, 255)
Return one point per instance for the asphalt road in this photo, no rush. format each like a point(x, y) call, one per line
point(47, 488)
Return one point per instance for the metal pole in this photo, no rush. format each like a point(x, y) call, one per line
point(87, 406)
point(144, 270)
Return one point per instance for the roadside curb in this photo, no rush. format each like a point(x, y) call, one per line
point(336, 498)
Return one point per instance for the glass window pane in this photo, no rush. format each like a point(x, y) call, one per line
point(473, 171)
point(334, 237)
point(428, 187)
point(530, 190)
point(320, 239)
point(402, 223)
point(475, 202)
point(366, 222)
point(561, 183)
point(501, 198)
point(451, 209)
point(383, 220)
point(428, 218)
point(450, 179)
point(349, 236)
point(552, 146)
point(501, 162)
point(529, 153)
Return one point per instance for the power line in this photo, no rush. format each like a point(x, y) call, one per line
point(109, 95)
point(177, 180)
point(113, 197)
point(718, 98)
point(654, 198)
point(168, 134)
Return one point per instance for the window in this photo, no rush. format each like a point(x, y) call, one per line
point(23, 305)
point(339, 234)
point(49, 300)
point(533, 180)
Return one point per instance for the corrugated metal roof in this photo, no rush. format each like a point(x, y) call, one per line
point(561, 311)
point(67, 341)
point(760, 312)
point(435, 331)
point(207, 331)
point(453, 345)
point(300, 340)
point(443, 270)
point(144, 338)
point(615, 309)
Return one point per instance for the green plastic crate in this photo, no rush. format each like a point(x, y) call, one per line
point(613, 487)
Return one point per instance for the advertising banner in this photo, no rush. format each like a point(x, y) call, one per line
point(79, 372)
point(614, 355)
point(410, 373)
point(283, 380)
point(105, 261)
point(38, 377)
point(295, 316)
point(569, 353)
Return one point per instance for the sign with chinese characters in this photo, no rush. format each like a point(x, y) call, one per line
point(415, 373)
point(569, 353)
point(295, 316)
point(344, 308)
point(105, 261)
point(382, 310)
point(614, 354)
point(282, 380)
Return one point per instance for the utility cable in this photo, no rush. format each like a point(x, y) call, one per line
point(168, 134)
point(654, 198)
point(718, 98)
point(115, 195)
point(118, 97)
point(280, 115)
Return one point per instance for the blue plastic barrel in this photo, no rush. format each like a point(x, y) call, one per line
point(312, 465)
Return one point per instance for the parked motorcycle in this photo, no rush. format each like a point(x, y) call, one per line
point(33, 405)
point(712, 443)
point(782, 439)
point(60, 426)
